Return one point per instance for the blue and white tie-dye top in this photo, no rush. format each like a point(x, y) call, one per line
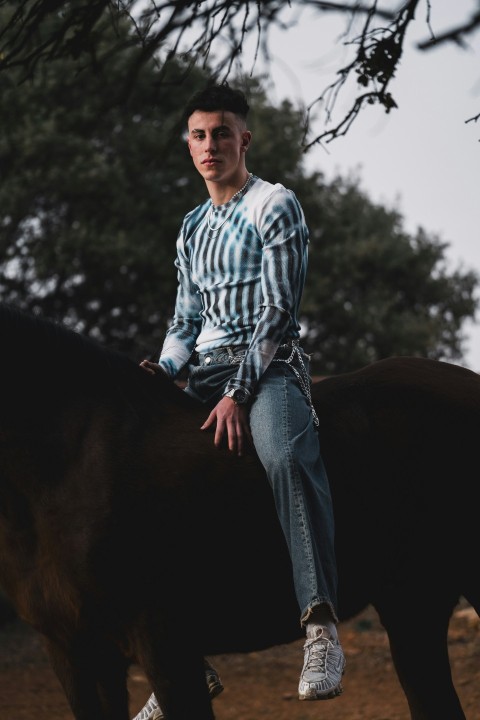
point(240, 283)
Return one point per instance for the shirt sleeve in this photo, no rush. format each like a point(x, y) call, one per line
point(284, 258)
point(181, 337)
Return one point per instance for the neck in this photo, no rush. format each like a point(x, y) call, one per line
point(221, 193)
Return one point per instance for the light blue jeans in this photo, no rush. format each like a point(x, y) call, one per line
point(288, 446)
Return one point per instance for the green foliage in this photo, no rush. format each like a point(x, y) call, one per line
point(92, 191)
point(94, 186)
point(375, 291)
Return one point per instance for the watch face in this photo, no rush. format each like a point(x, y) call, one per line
point(240, 396)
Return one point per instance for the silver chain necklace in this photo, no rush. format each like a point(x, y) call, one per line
point(238, 195)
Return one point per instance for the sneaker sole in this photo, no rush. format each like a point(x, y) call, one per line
point(329, 696)
point(215, 688)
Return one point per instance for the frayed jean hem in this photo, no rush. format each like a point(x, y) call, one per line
point(305, 616)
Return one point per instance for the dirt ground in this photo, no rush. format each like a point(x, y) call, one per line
point(258, 685)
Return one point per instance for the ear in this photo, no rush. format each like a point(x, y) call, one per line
point(246, 139)
point(189, 147)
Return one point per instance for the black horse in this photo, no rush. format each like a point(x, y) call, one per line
point(125, 536)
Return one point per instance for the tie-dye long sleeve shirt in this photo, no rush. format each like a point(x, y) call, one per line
point(241, 282)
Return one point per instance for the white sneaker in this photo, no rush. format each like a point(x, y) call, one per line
point(152, 711)
point(323, 667)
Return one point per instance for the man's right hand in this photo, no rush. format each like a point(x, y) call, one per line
point(152, 367)
point(232, 421)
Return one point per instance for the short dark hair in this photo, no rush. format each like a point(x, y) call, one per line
point(217, 97)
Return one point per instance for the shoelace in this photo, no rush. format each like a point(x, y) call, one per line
point(317, 657)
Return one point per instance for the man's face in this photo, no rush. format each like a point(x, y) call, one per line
point(217, 142)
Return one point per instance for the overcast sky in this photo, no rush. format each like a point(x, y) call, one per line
point(422, 159)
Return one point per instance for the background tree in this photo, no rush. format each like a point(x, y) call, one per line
point(93, 193)
point(374, 290)
point(376, 37)
point(87, 189)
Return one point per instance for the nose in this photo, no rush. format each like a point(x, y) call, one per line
point(210, 143)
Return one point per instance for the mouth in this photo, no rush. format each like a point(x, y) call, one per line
point(209, 162)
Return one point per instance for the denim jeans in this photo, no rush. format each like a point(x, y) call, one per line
point(288, 446)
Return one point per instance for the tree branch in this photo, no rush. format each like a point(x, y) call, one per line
point(33, 31)
point(455, 34)
point(378, 53)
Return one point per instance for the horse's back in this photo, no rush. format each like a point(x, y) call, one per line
point(414, 411)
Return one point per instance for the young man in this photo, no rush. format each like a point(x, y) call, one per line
point(241, 262)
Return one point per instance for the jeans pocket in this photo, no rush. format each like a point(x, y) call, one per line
point(208, 382)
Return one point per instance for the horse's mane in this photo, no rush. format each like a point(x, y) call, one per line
point(38, 347)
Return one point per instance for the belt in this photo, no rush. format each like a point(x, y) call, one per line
point(289, 352)
point(234, 353)
point(228, 354)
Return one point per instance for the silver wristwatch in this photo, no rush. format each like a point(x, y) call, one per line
point(240, 396)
